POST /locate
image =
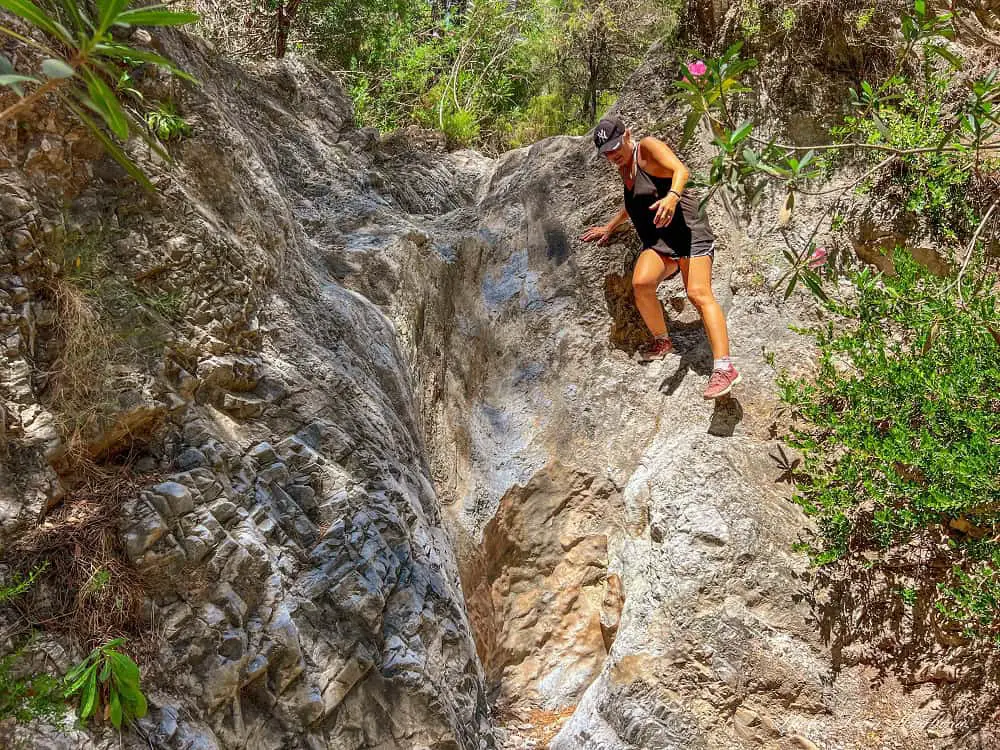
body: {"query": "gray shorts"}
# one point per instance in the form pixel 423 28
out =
pixel 696 250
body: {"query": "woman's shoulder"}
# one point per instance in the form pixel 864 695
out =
pixel 652 152
pixel 651 139
pixel 651 143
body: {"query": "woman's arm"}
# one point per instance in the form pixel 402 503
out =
pixel 603 233
pixel 620 218
pixel 665 161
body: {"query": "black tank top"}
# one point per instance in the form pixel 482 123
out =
pixel 687 229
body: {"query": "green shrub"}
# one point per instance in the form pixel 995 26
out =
pixel 24 698
pixel 898 428
pixel 496 74
pixel 934 184
pixel 461 126
pixel 19 584
pixel 110 678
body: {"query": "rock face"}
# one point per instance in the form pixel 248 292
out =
pixel 394 373
pixel 537 590
pixel 303 583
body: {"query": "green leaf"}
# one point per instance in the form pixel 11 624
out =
pixel 689 125
pixel 133 701
pixel 109 11
pixel 124 668
pixel 116 709
pixel 811 280
pixel 105 671
pixel 139 707
pixel 88 698
pixel 78 676
pixel 37 17
pixel 111 147
pixel 13 81
pixel 122 52
pixel 108 105
pixel 80 20
pixel 6 66
pixel 741 132
pixel 791 285
pixel 156 15
pixel 881 127
pixel 54 68
pixel 954 60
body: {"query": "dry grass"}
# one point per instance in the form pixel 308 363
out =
pixel 542 725
pixel 546 724
pixel 241 28
pixel 105 335
pixel 80 382
pixel 88 588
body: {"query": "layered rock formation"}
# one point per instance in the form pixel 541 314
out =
pixel 393 374
pixel 304 589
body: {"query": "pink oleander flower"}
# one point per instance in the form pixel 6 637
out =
pixel 818 258
pixel 697 68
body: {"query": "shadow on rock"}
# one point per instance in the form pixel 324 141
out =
pixel 883 614
pixel 628 331
pixel 695 355
pixel 727 414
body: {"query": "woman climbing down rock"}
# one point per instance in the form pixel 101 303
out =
pixel 675 237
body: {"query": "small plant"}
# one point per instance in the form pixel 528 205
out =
pixel 20 584
pixel 24 698
pixel 96 583
pixel 864 18
pixel 460 126
pixel 788 18
pixel 750 19
pixel 106 325
pixel 166 124
pixel 914 122
pixel 107 678
pixel 84 66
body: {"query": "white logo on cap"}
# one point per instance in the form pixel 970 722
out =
pixel 602 134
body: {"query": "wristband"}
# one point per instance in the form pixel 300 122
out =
pixel 675 193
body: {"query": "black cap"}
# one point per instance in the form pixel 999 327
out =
pixel 608 134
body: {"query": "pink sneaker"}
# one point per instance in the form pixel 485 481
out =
pixel 655 349
pixel 721 383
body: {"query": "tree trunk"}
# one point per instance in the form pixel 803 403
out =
pixel 590 96
pixel 286 14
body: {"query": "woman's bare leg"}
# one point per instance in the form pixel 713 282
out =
pixel 697 274
pixel 650 270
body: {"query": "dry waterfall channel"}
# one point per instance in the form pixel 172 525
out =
pixel 408 490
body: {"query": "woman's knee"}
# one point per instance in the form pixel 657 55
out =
pixel 700 296
pixel 643 284
pixel 649 269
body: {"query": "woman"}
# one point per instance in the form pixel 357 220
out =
pixel 675 237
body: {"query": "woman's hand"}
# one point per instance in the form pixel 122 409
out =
pixel 602 234
pixel 664 208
